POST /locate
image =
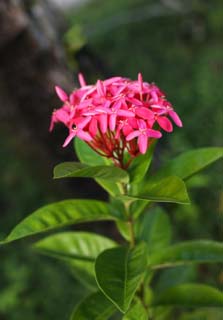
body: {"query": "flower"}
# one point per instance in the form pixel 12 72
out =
pixel 116 117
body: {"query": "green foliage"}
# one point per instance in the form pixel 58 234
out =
pixel 157 191
pixel 190 295
pixel 77 169
pixel 78 249
pixel 60 214
pixel 200 251
pixel 207 314
pixel 190 162
pixel 95 307
pixel 123 273
pixel 119 272
pixel 188 45
pixel 136 311
pixel 154 228
pixel 140 165
pixel 88 156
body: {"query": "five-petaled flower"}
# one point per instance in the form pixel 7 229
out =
pixel 116 116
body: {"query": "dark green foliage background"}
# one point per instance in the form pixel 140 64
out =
pixel 182 53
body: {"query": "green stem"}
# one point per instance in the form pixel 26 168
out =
pixel 128 216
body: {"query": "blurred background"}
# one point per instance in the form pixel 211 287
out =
pixel 178 44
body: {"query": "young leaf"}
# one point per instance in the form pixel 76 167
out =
pixel 198 251
pixel 154 228
pixel 77 169
pixel 190 162
pixel 60 214
pixel 190 295
pixel 89 157
pixel 140 165
pixel 136 312
pixel 78 249
pixel 118 273
pixel 95 307
pixel 170 189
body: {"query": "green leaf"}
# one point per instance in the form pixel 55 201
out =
pixel 95 307
pixel 137 207
pixel 190 295
pixel 140 165
pixel 171 277
pixel 206 314
pixel 118 273
pixel 170 189
pixel 89 157
pixel 123 228
pixel 190 162
pixel 60 214
pixel 78 249
pixel 154 228
pixel 136 312
pixel 77 169
pixel 198 251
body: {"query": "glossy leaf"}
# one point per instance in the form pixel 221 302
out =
pixel 190 295
pixel 136 312
pixel 140 165
pixel 77 169
pixel 78 249
pixel 95 307
pixel 170 189
pixel 154 228
pixel 60 214
pixel 190 162
pixel 118 273
pixel 198 251
pixel 89 157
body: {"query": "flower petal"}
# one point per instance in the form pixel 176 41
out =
pixel 112 121
pixel 83 123
pixel 93 127
pixel 84 135
pixel 165 124
pixel 71 135
pixel 61 94
pixel 100 88
pixel 154 133
pixel 103 122
pixel 140 81
pixel 81 80
pixel 144 113
pixel 142 142
pixel 175 118
pixel 133 135
pixel 125 113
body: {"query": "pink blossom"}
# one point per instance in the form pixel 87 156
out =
pixel 77 130
pixel 143 133
pixel 116 116
pixel 61 94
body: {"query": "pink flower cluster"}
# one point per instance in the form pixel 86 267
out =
pixel 115 116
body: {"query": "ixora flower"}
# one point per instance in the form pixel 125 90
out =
pixel 116 117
